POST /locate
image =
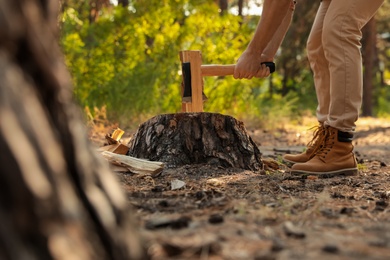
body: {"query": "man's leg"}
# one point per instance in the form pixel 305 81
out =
pixel 319 64
pixel 341 42
pixel 341 37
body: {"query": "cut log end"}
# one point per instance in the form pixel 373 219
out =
pixel 196 138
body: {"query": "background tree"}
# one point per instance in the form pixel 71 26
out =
pixel 123 3
pixel 127 59
pixel 223 5
pixel 57 199
pixel 381 93
pixel 293 57
pixel 370 64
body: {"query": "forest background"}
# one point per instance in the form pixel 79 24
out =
pixel 124 59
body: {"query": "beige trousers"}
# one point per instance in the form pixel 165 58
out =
pixel 334 54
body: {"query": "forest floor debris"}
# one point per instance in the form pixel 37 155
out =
pixel 237 214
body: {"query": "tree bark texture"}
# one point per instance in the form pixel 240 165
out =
pixel 58 200
pixel 194 138
pixel 369 57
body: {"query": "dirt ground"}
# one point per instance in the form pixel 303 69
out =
pixel 237 214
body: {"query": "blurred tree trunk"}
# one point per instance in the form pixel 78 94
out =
pixel 124 3
pixel 292 60
pixel 223 6
pixel 369 58
pixel 240 7
pixel 58 200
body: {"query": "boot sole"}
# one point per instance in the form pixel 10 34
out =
pixel 343 172
pixel 292 162
pixel 289 162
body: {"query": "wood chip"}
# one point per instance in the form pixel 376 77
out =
pixel 177 184
pixel 117 134
pixel 115 148
pixel 110 140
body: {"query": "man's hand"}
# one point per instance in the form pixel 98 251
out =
pixel 249 66
pixel 266 40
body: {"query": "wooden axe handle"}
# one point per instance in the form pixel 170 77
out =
pixel 217 70
pixel 225 70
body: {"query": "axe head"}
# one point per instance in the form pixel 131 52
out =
pixel 187 89
pixel 186 72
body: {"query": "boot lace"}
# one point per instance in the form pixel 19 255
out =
pixel 317 140
pixel 327 143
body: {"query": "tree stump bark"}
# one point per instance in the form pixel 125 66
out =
pixel 194 138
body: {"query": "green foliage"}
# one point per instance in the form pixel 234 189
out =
pixel 383 106
pixel 128 60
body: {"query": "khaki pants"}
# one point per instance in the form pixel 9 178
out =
pixel 334 55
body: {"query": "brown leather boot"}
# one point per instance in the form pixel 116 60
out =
pixel 311 148
pixel 335 157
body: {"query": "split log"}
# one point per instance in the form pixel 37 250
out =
pixel 194 138
pixel 135 165
pixel 58 198
pixel 119 162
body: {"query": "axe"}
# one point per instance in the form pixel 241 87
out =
pixel 193 72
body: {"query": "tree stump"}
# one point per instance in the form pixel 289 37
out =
pixel 194 138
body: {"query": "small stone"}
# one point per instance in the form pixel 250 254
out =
pixel 158 223
pixel 347 211
pixel 165 222
pixel 329 213
pixel 265 256
pixel 163 203
pixel 277 245
pixel 385 195
pixel 378 243
pixel 216 219
pixel 293 231
pixel 200 195
pixel 158 189
pixel 181 222
pixel 381 205
pixel 337 195
pixel 331 249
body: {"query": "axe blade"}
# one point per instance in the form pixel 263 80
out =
pixel 186 71
pixel 187 92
